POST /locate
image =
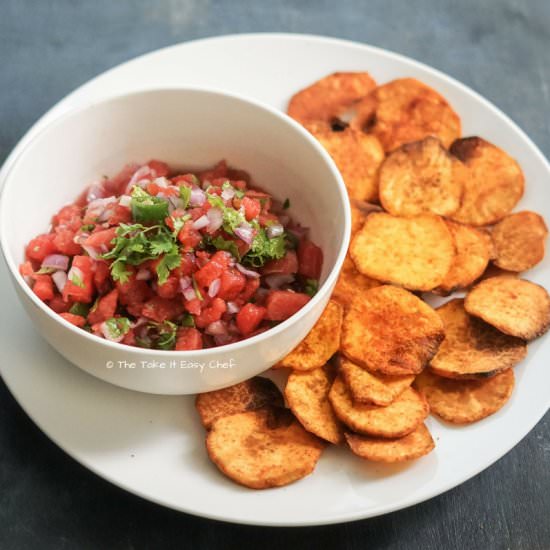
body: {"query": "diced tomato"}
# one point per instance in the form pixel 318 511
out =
pixel 129 338
pixel 133 292
pixel 26 269
pixel 101 238
pixel 58 304
pixel 310 260
pixel 281 304
pixel 161 168
pixel 82 290
pixel 267 218
pixel 187 265
pixel 121 214
pixel 161 309
pixel 250 288
pixel 101 276
pixel 249 317
pixel 219 171
pixel 232 283
pixel 193 306
pixel 189 237
pixel 40 247
pixel 69 217
pixel 213 269
pixel 43 287
pixel 188 338
pixel 104 309
pixel 153 188
pixel 211 313
pixel 64 242
pixel 76 320
pixel 117 184
pixel 188 180
pixel 252 208
pixel 288 264
pixel 169 288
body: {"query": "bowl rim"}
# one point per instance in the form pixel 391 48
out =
pixel 226 348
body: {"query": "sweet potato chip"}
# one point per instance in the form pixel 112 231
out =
pixel 249 395
pixel 325 99
pixel 465 401
pixel 357 156
pixel 307 397
pixel 400 418
pixel 418 178
pixel 415 253
pixel 519 241
pixel 406 110
pixel 359 212
pixel 391 331
pixel 474 249
pixel 351 285
pixel 493 182
pixel 418 443
pixel 472 348
pixel 321 343
pixel 259 449
pixel 374 388
pixel 514 306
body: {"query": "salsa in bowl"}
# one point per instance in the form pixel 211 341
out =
pixel 190 130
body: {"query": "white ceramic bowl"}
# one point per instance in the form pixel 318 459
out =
pixel 184 127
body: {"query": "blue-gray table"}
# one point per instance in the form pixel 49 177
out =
pixel 48 47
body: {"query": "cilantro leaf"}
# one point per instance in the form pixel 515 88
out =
pixel 231 218
pixel 147 208
pixel 264 249
pixel 185 196
pixel 169 261
pixel 117 326
pixel 219 243
pixel 311 287
pixel 286 204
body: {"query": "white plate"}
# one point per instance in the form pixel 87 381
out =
pixel 153 446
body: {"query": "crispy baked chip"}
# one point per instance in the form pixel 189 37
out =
pixel 418 178
pixel 249 395
pixel 519 241
pixel 307 397
pixel 351 285
pixel 357 156
pixel 406 110
pixel 391 331
pixel 259 449
pixel 400 418
pixel 465 401
pixel 493 182
pixel 472 348
pixel 494 271
pixel 416 253
pixel 374 388
pixel 474 249
pixel 514 306
pixel 325 99
pixel 418 443
pixel 321 343
pixel 359 212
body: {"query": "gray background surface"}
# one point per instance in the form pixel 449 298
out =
pixel 47 48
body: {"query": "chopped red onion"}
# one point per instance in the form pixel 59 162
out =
pixel 298 231
pixel 215 219
pixel 232 308
pixel 125 200
pixel 60 280
pixel 139 177
pixel 201 222
pixel 197 197
pixel 185 282
pixel 95 191
pixel 247 272
pixel 223 339
pixel 80 238
pixel 143 274
pixel 274 230
pixel 228 193
pixel 277 280
pixel 245 232
pixel 189 293
pixel 108 335
pixel 91 251
pixel 214 288
pixel 162 182
pixel 217 328
pixel 174 203
pixel 59 262
pixel 97 208
pixel 75 272
pixel 139 322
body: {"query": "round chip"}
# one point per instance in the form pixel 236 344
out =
pixel 391 331
pixel 400 418
pixel 406 110
pixel 418 178
pixel 263 448
pixel 249 395
pixel 415 253
pixel 374 388
pixel 325 99
pixel 307 397
pixel 519 241
pixel 514 306
pixel 493 182
pixel 472 348
pixel 357 156
pixel 474 249
pixel 321 343
pixel 351 285
pixel 418 443
pixel 465 401
pixel 359 212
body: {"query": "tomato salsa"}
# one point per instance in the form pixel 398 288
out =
pixel 174 261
